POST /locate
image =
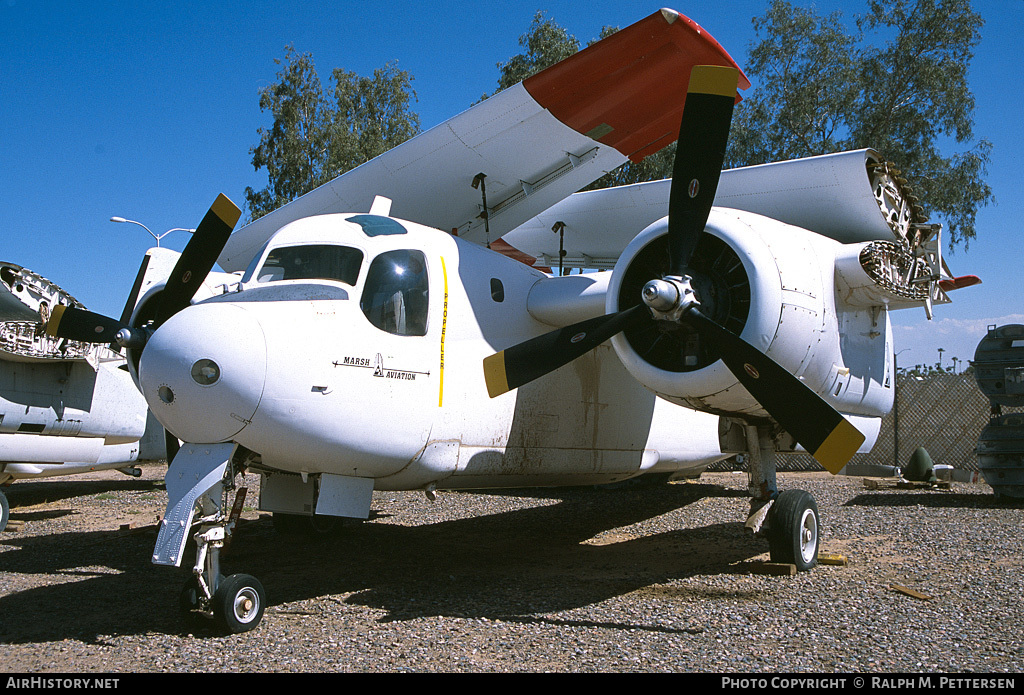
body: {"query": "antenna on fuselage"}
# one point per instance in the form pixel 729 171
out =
pixel 381 206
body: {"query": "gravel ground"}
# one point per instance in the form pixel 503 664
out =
pixel 569 580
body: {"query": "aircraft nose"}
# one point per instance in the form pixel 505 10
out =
pixel 202 372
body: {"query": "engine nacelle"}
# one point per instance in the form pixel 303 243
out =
pixel 773 285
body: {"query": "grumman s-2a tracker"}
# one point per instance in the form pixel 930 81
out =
pixel 395 329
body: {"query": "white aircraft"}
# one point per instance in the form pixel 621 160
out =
pixel 66 406
pixel 369 336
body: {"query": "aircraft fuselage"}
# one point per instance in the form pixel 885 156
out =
pixel 369 366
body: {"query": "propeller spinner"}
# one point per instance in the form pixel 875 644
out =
pixel 672 301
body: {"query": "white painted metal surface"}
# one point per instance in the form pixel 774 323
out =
pixel 831 195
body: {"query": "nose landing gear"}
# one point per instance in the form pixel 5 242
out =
pixel 198 480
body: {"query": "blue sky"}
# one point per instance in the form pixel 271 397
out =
pixel 148 110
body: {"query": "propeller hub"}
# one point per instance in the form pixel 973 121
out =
pixel 132 338
pixel 660 295
pixel 670 297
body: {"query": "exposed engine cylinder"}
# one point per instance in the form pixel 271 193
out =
pixel 767 285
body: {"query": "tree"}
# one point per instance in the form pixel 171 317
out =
pixel 808 84
pixel 316 137
pixel 899 86
pixel 370 116
pixel 545 44
pixel 293 150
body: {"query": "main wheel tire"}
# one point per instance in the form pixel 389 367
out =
pixel 5 511
pixel 238 603
pixel 794 531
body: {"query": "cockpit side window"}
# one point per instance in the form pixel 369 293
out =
pixel 395 296
pixel 312 262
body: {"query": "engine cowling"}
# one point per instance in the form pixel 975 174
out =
pixel 766 281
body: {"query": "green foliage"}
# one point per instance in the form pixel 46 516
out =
pixel 316 136
pixel 371 116
pixel 898 85
pixel 545 43
pixel 807 88
pixel 293 150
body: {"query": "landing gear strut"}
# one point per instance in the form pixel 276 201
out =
pixel 789 519
pixel 236 603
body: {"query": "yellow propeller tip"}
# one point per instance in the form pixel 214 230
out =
pixel 718 80
pixel 226 210
pixel 839 447
pixel 54 320
pixel 495 375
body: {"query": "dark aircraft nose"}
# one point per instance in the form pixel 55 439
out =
pixel 202 372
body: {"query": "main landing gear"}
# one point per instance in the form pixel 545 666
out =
pixel 789 519
pixel 199 480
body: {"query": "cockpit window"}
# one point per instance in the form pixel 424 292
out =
pixel 375 225
pixel 395 295
pixel 312 262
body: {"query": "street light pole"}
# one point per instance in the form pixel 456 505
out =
pixel 158 237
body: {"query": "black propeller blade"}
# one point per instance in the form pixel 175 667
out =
pixel 194 264
pixel 817 426
pixel 198 257
pixel 700 154
pixel 133 298
pixel 82 325
pixel 522 363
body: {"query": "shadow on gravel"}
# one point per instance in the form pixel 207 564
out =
pixel 936 498
pixel 28 493
pixel 540 559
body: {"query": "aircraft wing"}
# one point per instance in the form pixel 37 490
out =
pixel 536 143
pixel 835 195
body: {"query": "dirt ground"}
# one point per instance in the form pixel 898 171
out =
pixel 549 580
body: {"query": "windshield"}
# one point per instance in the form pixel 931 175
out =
pixel 312 262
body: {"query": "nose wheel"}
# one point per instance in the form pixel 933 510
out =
pixel 234 603
pixel 238 603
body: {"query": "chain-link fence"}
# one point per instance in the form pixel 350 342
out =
pixel 942 412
